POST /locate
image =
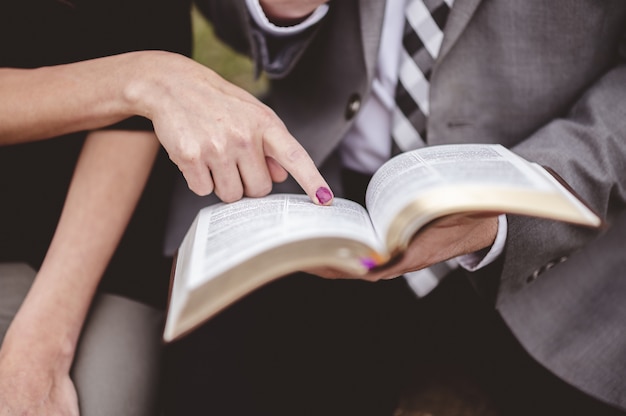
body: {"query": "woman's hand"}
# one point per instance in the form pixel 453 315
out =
pixel 33 382
pixel 50 394
pixel 221 137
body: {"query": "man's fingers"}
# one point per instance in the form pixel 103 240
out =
pixel 285 149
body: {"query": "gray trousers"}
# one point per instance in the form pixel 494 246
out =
pixel 116 368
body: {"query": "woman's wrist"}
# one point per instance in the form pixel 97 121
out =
pixel 36 344
pixel 146 80
pixel 138 80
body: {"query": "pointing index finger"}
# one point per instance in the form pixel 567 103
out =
pixel 290 154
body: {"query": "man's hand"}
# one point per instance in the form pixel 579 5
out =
pixel 446 238
pixel 289 11
pixel 222 138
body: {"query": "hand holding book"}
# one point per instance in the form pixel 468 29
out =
pixel 443 239
pixel 423 207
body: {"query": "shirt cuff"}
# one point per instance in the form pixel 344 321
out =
pixel 259 17
pixel 479 259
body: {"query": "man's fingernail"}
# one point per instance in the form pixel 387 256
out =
pixel 323 195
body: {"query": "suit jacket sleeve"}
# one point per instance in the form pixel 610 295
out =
pixel 587 148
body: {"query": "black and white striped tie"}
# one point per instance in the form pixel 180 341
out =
pixel 422 38
pixel 423 34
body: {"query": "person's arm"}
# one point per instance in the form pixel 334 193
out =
pixel 221 137
pixel 39 346
pixel 587 148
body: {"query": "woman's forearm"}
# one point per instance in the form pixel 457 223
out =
pixel 50 101
pixel 219 135
pixel 110 175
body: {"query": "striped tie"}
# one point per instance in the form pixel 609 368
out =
pixel 423 34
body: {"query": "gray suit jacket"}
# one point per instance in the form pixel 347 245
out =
pixel 545 78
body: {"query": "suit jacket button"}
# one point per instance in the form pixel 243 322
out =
pixel 353 107
pixel 533 276
pixel 544 268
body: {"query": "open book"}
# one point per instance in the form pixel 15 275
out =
pixel 232 249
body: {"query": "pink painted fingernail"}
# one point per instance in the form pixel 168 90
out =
pixel 323 195
pixel 368 262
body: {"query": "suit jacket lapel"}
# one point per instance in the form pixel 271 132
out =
pixel 371 15
pixel 460 15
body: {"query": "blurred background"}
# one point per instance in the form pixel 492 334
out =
pixel 211 52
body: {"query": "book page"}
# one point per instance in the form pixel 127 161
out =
pixel 404 177
pixel 229 233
